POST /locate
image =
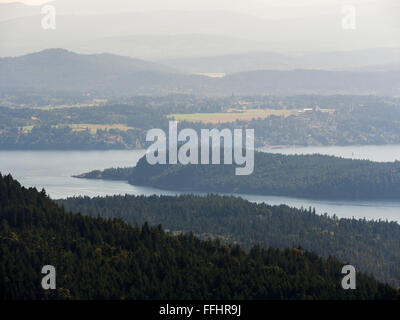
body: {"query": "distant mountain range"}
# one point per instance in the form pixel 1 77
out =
pixel 383 59
pixel 65 71
pixel 62 70
pixel 87 27
pixel 229 39
pixel 173 46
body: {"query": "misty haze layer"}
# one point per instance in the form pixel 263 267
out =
pixel 159 30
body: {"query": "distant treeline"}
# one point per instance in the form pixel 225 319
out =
pixel 329 120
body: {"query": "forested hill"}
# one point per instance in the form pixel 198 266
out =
pixel 371 246
pixel 309 176
pixel 59 70
pixel 109 259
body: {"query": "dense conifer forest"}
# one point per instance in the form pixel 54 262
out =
pixel 372 246
pixel 99 258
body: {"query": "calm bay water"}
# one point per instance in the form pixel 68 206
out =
pixel 52 170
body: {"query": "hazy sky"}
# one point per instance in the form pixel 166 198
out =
pixel 262 8
pixel 291 2
pixel 274 25
pixel 233 2
pixel 33 2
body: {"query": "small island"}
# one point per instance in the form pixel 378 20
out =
pixel 304 176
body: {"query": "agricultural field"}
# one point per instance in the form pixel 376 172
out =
pixel 233 115
pixel 93 128
pixel 95 103
pixel 212 74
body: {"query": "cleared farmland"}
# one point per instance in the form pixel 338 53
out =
pixel 233 115
pixel 93 128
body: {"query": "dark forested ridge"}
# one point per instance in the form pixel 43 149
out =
pixel 371 246
pixel 98 258
pixel 308 176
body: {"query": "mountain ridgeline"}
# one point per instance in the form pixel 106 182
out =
pixel 58 70
pixel 308 176
pixel 98 258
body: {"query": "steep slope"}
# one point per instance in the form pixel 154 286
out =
pixel 371 246
pixel 109 259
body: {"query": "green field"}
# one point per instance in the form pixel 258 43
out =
pixel 95 103
pixel 85 126
pixel 232 115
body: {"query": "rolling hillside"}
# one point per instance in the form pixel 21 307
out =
pixel 65 71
